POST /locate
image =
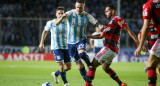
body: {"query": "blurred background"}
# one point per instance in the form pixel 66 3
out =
pixel 22 22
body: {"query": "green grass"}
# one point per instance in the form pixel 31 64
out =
pixel 32 73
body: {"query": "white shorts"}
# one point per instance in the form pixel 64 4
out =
pixel 155 50
pixel 105 55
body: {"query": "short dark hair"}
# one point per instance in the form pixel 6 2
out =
pixel 81 1
pixel 60 8
pixel 111 6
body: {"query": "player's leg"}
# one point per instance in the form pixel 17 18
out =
pixel 91 72
pixel 82 69
pixel 99 58
pixel 67 60
pixel 158 66
pixel 59 56
pixel 72 48
pixel 62 73
pixel 151 69
pixel 81 48
pixel 153 61
pixel 112 73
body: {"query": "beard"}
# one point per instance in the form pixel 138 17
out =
pixel 109 16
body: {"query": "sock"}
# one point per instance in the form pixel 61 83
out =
pixel 57 73
pixel 114 76
pixel 85 57
pixel 90 76
pixel 83 73
pixel 152 76
pixel 63 76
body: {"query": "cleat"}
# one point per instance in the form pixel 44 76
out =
pixel 66 84
pixel 123 84
pixel 56 78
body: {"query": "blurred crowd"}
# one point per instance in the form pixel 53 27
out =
pixel 26 32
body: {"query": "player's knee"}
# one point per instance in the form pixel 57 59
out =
pixel 85 57
pixel 106 69
pixel 68 68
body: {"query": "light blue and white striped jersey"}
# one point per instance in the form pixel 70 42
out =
pixel 58 34
pixel 98 42
pixel 77 25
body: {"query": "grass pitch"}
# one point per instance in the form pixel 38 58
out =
pixel 34 73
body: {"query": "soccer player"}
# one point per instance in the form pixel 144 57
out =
pixel 111 46
pixel 151 39
pixel 77 20
pixel 58 45
pixel 96 44
pixel 151 11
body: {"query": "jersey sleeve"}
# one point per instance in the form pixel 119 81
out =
pixel 68 13
pixel 91 19
pixel 48 26
pixel 146 12
pixel 105 30
pixel 93 34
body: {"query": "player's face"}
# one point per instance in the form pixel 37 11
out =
pixel 79 8
pixel 108 12
pixel 59 13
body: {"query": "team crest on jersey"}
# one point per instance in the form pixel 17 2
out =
pixel 122 22
pixel 58 57
pixel 81 46
pixel 155 29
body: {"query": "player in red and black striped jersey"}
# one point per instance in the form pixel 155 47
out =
pixel 151 11
pixel 151 39
pixel 111 46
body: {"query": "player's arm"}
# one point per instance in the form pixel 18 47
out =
pixel 139 39
pixel 98 36
pixel 95 22
pixel 44 34
pixel 131 34
pixel 145 30
pixel 91 43
pixel 59 20
pixel 41 45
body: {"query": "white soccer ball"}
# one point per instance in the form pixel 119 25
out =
pixel 47 84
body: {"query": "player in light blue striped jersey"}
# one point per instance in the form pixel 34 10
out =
pixel 96 44
pixel 58 45
pixel 77 20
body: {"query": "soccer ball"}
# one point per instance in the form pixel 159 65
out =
pixel 47 84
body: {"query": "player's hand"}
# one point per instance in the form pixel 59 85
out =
pixel 137 51
pixel 102 26
pixel 41 47
pixel 64 16
pixel 92 47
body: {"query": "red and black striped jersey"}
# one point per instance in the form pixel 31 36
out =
pixel 152 36
pixel 151 10
pixel 112 33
